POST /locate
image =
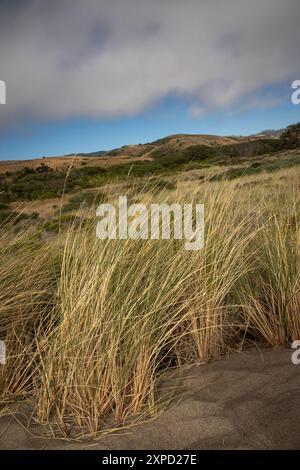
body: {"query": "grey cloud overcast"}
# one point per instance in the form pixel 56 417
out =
pixel 93 58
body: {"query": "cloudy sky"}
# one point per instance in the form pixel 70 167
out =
pixel 84 75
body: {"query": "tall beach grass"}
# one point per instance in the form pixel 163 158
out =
pixel 92 327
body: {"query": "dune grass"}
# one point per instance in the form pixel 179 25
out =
pixel 92 327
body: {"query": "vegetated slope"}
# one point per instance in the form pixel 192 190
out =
pixel 64 162
pixel 126 153
pixel 45 181
pixel 176 143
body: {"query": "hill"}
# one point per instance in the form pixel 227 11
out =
pixel 48 178
pixel 176 143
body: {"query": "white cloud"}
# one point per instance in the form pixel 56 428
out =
pixel 95 58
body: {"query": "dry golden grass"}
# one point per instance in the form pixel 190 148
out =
pixel 46 209
pixel 63 163
pixel 93 326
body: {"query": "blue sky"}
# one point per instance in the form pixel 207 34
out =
pixel 88 76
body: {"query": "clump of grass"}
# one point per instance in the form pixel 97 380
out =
pixel 93 326
pixel 270 293
pixel 129 309
pixel 27 288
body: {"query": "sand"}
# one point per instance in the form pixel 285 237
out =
pixel 249 400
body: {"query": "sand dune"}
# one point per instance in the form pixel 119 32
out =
pixel 246 401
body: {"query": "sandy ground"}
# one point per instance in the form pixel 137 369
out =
pixel 247 401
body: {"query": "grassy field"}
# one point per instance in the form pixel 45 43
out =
pixel 93 328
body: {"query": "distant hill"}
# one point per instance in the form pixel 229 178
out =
pixel 127 153
pixel 99 153
pixel 270 133
pixel 174 142
pixel 47 178
pixel 180 147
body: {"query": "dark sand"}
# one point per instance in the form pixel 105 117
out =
pixel 247 401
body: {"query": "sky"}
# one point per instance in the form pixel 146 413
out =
pixel 91 75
